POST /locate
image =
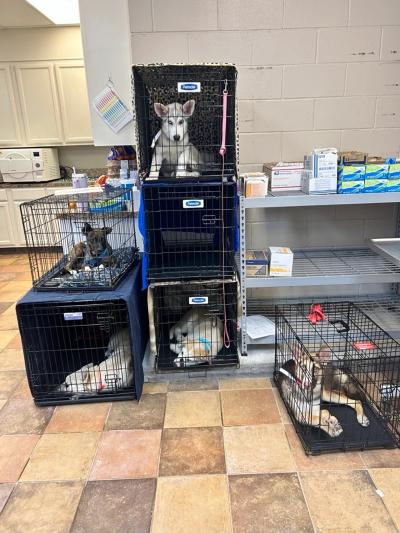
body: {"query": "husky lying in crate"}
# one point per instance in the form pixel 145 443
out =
pixel 116 372
pixel 306 382
pixel 198 338
pixel 173 153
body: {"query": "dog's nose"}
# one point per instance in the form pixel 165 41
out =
pixel 177 137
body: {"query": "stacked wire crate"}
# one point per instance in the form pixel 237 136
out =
pixel 187 155
pixel 82 327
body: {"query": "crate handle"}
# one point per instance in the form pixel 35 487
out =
pixel 345 325
pixel 209 220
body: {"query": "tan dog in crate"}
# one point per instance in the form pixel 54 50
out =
pixel 307 381
pixel 173 152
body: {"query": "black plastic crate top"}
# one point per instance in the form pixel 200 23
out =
pixel 339 377
pixel 168 84
pixel 196 325
pixel 80 242
pixel 190 230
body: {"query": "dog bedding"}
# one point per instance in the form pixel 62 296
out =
pixel 96 276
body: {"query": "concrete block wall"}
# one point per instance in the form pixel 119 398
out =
pixel 312 73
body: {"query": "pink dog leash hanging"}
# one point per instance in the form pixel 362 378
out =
pixel 222 149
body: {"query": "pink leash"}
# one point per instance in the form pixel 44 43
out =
pixel 222 150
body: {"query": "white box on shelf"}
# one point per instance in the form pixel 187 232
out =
pixel 322 163
pixel 255 185
pixel 284 176
pixel 280 261
pixel 310 185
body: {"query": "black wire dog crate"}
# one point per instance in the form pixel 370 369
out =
pixel 190 230
pixel 84 350
pixel 80 241
pixel 180 120
pixel 194 325
pixel 339 378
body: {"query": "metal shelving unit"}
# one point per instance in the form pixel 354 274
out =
pixel 322 267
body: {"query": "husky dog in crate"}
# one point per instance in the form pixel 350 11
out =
pixel 196 338
pixel 116 372
pixel 94 252
pixel 307 381
pixel 174 155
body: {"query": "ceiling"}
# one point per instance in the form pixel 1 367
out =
pixel 20 14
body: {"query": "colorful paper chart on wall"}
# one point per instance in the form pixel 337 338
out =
pixel 112 109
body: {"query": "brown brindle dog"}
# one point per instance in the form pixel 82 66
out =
pixel 94 252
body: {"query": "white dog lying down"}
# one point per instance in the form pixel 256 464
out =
pixel 198 337
pixel 115 372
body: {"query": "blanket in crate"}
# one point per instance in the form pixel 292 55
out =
pixel 95 276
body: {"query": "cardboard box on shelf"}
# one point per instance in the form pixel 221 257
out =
pixel 350 187
pixel 310 185
pixel 352 158
pixel 255 185
pixel 256 263
pixel 280 261
pixel 284 176
pixel 351 172
pixel 322 162
pixel 375 185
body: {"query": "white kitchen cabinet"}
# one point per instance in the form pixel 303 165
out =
pixel 16 197
pixel 74 103
pixel 10 127
pixel 39 103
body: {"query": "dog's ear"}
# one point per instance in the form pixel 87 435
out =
pixel 161 110
pixel 324 355
pixel 86 228
pixel 188 108
pixel 106 230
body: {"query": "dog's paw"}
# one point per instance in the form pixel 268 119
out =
pixel 334 428
pixel 183 173
pixel 363 420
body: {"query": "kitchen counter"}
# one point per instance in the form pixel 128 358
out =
pixel 91 172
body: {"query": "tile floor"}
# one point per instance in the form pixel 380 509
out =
pixel 196 456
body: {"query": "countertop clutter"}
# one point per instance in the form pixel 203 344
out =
pixel 326 171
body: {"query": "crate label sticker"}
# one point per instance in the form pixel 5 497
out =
pixel 189 87
pixel 193 203
pixel 197 300
pixel 73 316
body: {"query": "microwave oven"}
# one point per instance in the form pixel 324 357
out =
pixel 20 165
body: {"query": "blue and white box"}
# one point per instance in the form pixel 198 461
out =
pixel 322 162
pixel 350 187
pixel 375 185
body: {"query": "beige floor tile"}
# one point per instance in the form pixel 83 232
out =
pixel 62 457
pixel 244 383
pixel 193 503
pixel 9 381
pixel 19 285
pixel 14 268
pixel 6 337
pixel 388 481
pixel 22 392
pixel 381 458
pixel 148 413
pixel 192 409
pixel 192 451
pixel 257 449
pixel 247 407
pixel 2 403
pixel 193 384
pixel 41 508
pixel 15 343
pixel 80 418
pixel 15 451
pixel 328 461
pixel 281 407
pixel 22 416
pixel 269 503
pixel 127 454
pixel 353 504
pixel 5 492
pixel 10 311
pixel 12 359
pixel 11 296
pixel 154 388
pixel 8 322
